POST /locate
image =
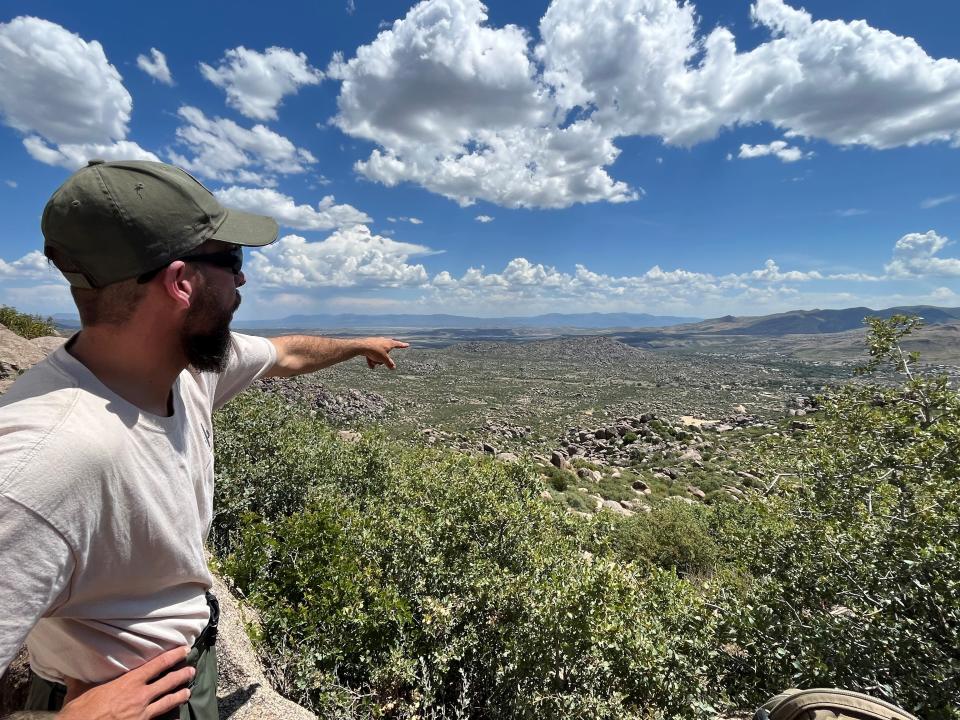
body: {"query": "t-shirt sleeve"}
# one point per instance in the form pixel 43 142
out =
pixel 36 565
pixel 249 358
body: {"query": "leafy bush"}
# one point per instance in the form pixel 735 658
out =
pixel 560 480
pixel 674 535
pixel 413 581
pixel 28 326
pixel 856 559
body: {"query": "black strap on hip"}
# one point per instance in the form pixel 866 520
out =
pixel 208 637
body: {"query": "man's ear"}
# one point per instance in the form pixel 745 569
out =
pixel 179 283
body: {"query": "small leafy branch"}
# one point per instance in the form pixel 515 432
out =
pixel 883 343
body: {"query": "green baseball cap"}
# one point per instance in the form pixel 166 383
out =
pixel 112 221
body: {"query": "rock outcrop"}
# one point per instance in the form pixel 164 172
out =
pixel 348 407
pixel 17 354
pixel 243 690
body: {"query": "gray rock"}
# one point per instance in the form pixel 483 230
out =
pixel 16 353
pixel 641 487
pixel 616 507
pixel 243 690
pixel 47 344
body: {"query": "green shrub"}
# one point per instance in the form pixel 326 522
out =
pixel 559 480
pixel 577 501
pixel 28 326
pixel 674 535
pixel 857 553
pixel 423 581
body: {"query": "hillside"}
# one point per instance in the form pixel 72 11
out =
pixel 434 578
pixel 807 322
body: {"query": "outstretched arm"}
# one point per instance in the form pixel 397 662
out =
pixel 299 354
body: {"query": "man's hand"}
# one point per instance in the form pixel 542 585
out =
pixel 147 692
pixel 377 351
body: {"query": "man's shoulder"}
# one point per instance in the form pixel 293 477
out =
pixel 250 357
pixel 38 399
pixel 47 419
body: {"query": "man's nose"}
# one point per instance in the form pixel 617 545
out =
pixel 240 279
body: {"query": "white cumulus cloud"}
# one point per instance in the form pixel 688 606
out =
pixel 58 85
pixel 155 66
pixel 944 295
pixel 646 69
pixel 458 107
pixel 350 257
pixel 356 258
pixel 779 149
pixel 537 287
pixel 223 150
pixel 472 111
pixel 256 82
pixel 74 156
pixel 484 218
pixel 32 266
pixel 916 255
pixel 325 216
pixel 64 95
pixel 771 273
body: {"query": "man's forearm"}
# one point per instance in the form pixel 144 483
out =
pixel 298 354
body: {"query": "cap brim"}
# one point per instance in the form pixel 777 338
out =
pixel 243 228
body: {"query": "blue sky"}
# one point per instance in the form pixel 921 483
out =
pixel 516 158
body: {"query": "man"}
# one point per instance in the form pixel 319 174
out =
pixel 106 455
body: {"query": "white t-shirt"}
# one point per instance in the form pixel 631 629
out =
pixel 104 510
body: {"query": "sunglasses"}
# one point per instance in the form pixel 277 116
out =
pixel 231 260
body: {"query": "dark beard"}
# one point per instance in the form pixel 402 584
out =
pixel 206 336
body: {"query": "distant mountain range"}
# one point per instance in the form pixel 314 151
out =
pixel 551 320
pixel 810 322
pixel 795 322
